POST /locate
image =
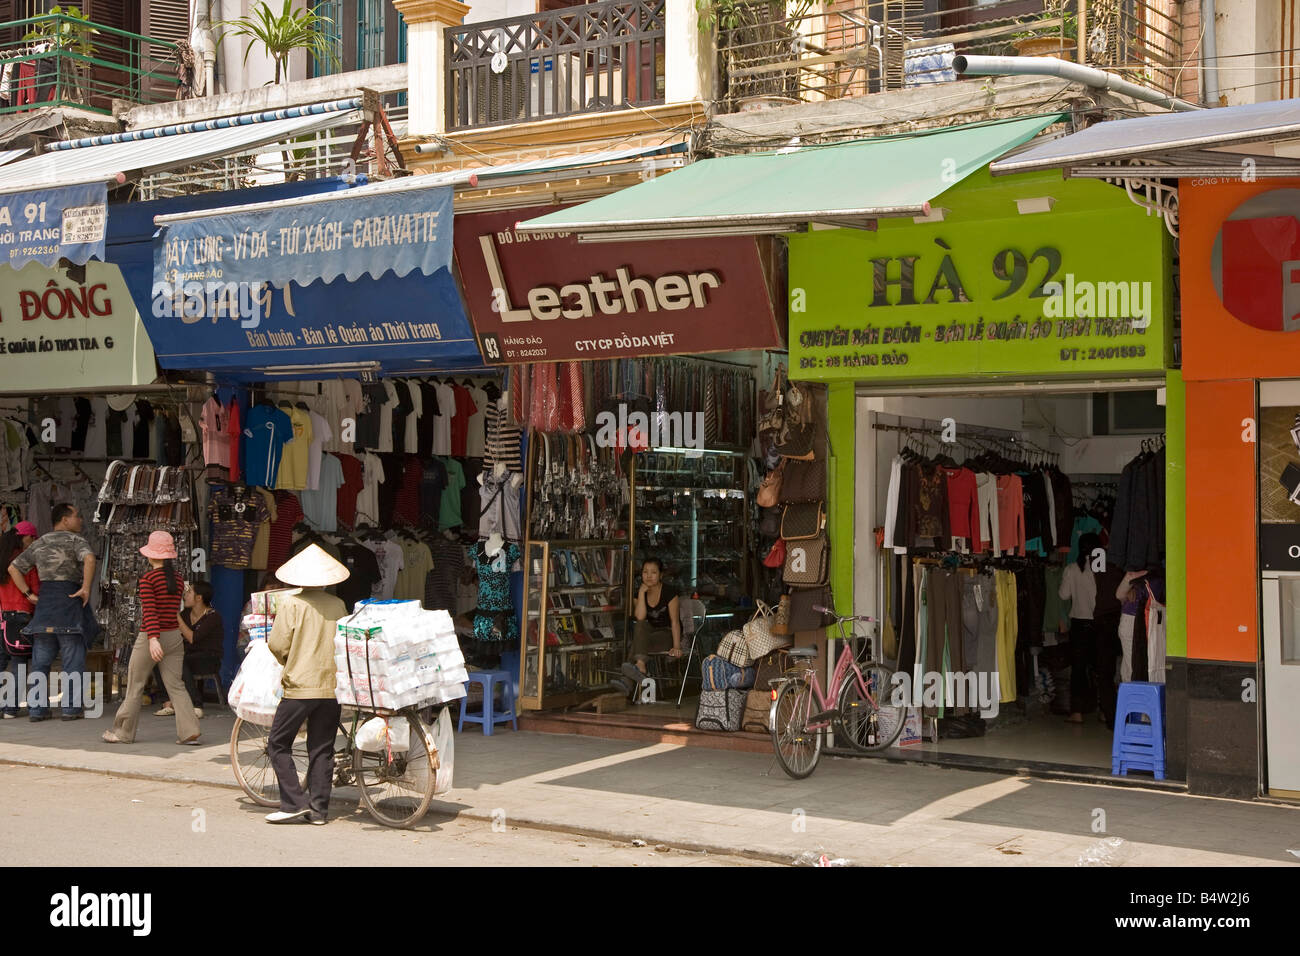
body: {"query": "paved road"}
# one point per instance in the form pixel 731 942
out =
pixel 90 819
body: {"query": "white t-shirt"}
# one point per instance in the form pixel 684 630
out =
pixel 1080 589
pixel 320 434
pixel 475 441
pixel 97 433
pixel 413 419
pixel 372 474
pixel 442 424
pixel 386 418
pixel 389 556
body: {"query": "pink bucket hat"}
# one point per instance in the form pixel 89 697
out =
pixel 160 546
pixel 26 529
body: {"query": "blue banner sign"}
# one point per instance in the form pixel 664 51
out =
pixel 46 225
pixel 367 235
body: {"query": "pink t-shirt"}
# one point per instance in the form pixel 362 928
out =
pixel 215 423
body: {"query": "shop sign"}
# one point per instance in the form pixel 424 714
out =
pixel 57 332
pixel 46 225
pixel 368 235
pixel 547 298
pixel 1079 294
pixel 1279 488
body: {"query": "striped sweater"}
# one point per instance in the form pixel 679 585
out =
pixel 159 609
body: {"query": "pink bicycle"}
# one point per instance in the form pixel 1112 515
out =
pixel 856 706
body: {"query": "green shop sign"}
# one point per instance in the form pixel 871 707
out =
pixel 1060 293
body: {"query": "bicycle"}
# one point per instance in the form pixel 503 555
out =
pixel 396 786
pixel 859 690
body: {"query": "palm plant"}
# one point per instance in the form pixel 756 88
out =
pixel 282 33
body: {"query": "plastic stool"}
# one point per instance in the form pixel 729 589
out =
pixel 216 683
pixel 1139 744
pixel 489 718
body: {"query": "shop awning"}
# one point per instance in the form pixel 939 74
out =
pixel 99 159
pixel 840 184
pixel 1204 143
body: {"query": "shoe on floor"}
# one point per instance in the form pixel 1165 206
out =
pixel 9 716
pixel 37 718
pixel 167 711
pixel 73 716
pixel 317 821
pixel 281 817
pixel 198 712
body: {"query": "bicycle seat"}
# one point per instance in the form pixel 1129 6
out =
pixel 801 652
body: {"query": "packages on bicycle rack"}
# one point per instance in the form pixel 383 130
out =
pixel 392 654
pixel 259 613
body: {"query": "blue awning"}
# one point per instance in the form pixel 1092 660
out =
pixel 46 225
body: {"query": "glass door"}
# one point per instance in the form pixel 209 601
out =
pixel 1282 682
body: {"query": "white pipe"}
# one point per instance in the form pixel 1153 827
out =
pixel 1051 66
pixel 1209 54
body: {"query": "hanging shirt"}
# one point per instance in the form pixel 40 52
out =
pixel 235 425
pixel 411 444
pixel 449 507
pixel 288 513
pixel 494 577
pixel 406 509
pixel 262 543
pixel 931 509
pixel 364 573
pixel 267 430
pixel 475 430
pixel 320 507
pixel 349 490
pixel 214 422
pixel 371 478
pixel 142 428
pixel 389 556
pixel 442 424
pixel 343 402
pixel 236 518
pixel 386 410
pixel 428 414
pixel 502 437
pixel 499 508
pixel 1011 514
pixel 986 485
pixel 465 407
pixel 963 508
pixel 374 396
pixel 297 452
pixel 320 437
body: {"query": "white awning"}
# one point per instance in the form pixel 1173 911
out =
pixel 103 163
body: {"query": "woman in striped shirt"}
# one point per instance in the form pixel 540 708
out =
pixel 160 643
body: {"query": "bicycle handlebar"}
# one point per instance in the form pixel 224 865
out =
pixel 821 609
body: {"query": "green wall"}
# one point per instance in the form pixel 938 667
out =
pixel 841 408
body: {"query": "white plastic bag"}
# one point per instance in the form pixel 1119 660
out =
pixel 258 683
pixel 379 734
pixel 445 741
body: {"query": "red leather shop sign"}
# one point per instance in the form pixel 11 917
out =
pixel 550 298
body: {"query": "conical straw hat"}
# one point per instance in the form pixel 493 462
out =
pixel 312 568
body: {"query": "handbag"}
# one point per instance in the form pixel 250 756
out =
pixel 798 443
pixel 776 555
pixel 720 709
pixel 733 648
pixel 769 492
pixel 802 602
pixel 802 520
pixel 769 525
pixel 807 562
pixel 759 636
pixel 17 644
pixel 803 481
pixel 800 407
pixel 720 674
pixel 758 711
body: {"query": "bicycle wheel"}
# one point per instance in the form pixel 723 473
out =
pixel 867 726
pixel 397 786
pixel 797 748
pixel 251 762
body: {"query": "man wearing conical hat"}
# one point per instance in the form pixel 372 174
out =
pixel 302 639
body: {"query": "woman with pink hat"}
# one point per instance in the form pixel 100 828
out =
pixel 16 605
pixel 160 643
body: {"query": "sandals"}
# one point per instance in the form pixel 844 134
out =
pixel 190 742
pixel 111 738
pixel 168 711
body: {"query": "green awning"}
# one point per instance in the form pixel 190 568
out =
pixel 841 183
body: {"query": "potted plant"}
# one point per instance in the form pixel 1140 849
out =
pixel 1055 41
pixel 68 30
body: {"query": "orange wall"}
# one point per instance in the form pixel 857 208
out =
pixel 1215 345
pixel 1222 573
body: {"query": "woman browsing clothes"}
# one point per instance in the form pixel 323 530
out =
pixel 16 605
pixel 1079 587
pixel 658 626
pixel 160 642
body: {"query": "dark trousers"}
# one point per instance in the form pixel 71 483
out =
pixel 199 662
pixel 1083 654
pixel 322 717
pixel 71 651
pixel 1108 655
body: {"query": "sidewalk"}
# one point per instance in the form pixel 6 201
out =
pixel 869 812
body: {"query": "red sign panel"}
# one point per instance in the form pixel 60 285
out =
pixel 549 298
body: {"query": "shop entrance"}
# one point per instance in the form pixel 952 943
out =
pixel 980 504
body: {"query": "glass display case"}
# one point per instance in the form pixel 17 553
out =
pixel 575 628
pixel 691 511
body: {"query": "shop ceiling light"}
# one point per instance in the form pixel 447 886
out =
pixel 1035 204
pixel 329 368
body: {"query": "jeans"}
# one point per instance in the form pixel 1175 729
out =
pixel 322 716
pixel 5 662
pixel 71 649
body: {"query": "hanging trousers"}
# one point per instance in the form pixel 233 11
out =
pixel 944 623
pixel 322 716
pixel 1008 624
pixel 979 618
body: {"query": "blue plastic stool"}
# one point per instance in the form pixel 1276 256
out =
pixel 1139 744
pixel 490 717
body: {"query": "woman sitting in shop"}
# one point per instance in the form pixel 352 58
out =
pixel 160 643
pixel 658 626
pixel 203 630
pixel 15 608
pixel 1079 587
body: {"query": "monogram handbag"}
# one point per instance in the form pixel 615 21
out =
pixel 807 562
pixel 798 443
pixel 802 602
pixel 733 648
pixel 769 492
pixel 802 481
pixel 759 634
pixel 802 520
pixel 758 711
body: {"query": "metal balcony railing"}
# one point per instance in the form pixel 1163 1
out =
pixel 589 58
pixel 57 60
pixel 808 51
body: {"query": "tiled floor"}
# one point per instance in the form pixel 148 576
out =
pixel 1045 739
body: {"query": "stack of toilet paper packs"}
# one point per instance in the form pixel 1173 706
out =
pixel 393 654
